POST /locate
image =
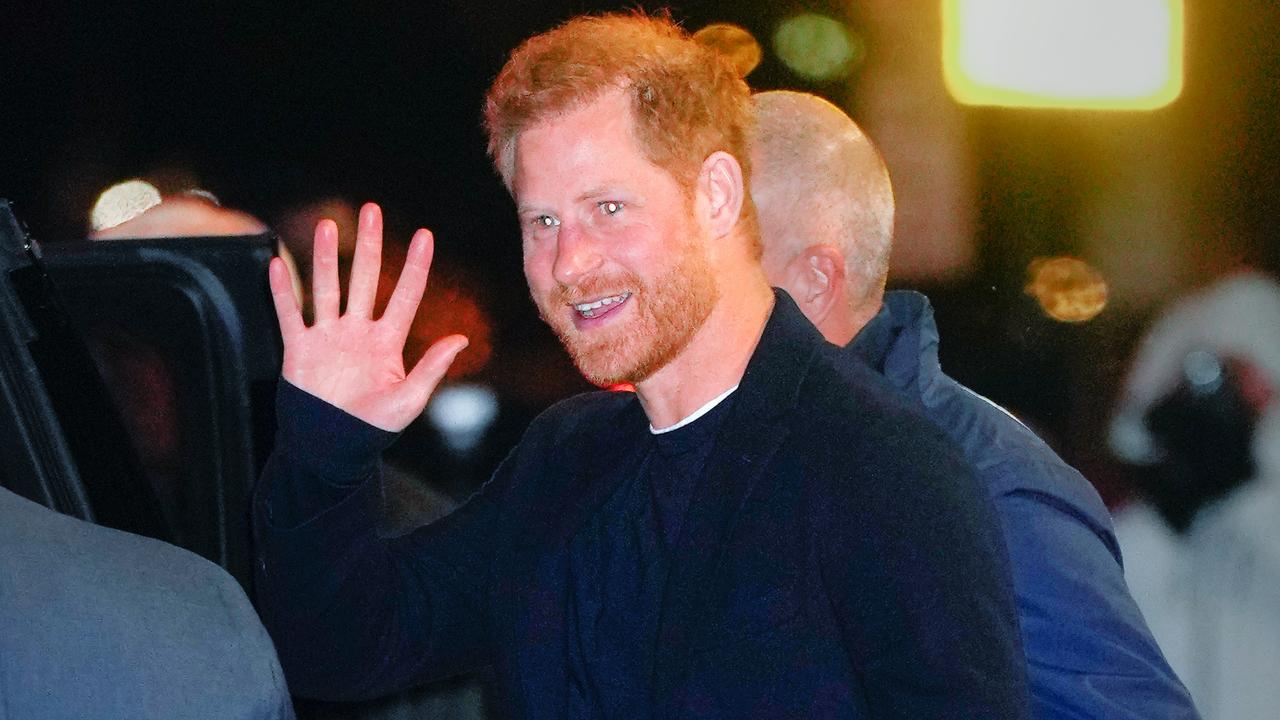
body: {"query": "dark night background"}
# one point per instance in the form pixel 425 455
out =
pixel 272 105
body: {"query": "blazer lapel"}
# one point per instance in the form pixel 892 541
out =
pixel 746 443
pixel 595 468
pixel 605 457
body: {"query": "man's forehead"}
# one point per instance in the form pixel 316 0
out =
pixel 587 140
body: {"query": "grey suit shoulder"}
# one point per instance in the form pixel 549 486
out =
pixel 100 623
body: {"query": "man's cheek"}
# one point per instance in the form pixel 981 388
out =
pixel 533 273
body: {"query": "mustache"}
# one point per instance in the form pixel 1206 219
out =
pixel 594 288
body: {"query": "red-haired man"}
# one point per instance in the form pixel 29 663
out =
pixel 721 543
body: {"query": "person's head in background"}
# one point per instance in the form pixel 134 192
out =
pixel 1199 416
pixel 135 210
pixel 186 215
pixel 825 209
pixel 139 377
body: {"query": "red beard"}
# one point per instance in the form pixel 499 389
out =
pixel 667 313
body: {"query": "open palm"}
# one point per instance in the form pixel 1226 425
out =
pixel 349 359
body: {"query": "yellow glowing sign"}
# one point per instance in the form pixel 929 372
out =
pixel 1089 54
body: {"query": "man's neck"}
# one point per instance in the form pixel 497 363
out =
pixel 715 358
pixel 840 328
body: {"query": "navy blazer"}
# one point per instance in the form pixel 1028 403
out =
pixel 826 568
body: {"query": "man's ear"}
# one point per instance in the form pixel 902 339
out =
pixel 816 281
pixel 720 183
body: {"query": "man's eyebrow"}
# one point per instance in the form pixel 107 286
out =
pixel 598 191
pixel 610 188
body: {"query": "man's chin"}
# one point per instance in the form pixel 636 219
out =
pixel 604 368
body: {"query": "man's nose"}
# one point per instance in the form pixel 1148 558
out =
pixel 576 255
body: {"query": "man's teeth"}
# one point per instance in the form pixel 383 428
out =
pixel 588 310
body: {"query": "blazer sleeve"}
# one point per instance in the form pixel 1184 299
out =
pixel 916 572
pixel 353 614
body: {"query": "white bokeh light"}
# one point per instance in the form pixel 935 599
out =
pixel 462 413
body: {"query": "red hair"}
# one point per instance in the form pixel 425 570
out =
pixel 687 101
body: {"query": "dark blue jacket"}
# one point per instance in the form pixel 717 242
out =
pixel 826 568
pixel 1089 652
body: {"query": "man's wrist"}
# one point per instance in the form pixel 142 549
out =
pixel 324 440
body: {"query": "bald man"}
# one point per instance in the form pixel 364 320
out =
pixel 825 206
pixel 183 216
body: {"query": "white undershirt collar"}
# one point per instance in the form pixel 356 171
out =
pixel 696 413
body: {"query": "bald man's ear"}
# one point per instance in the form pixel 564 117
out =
pixel 815 279
pixel 720 183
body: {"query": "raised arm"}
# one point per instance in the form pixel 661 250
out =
pixel 354 614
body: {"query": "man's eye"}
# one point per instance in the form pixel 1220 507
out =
pixel 609 207
pixel 546 221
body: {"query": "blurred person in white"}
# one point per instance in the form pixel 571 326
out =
pixel 1200 421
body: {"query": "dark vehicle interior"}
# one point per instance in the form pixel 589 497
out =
pixel 138 381
pixel 137 386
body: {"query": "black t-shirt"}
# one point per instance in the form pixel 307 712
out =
pixel 618 570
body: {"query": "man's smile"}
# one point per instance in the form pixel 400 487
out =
pixel 601 306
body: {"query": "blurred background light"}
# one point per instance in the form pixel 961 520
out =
pixel 1204 371
pixel 1068 290
pixel 122 202
pixel 817 47
pixel 735 43
pixel 1094 54
pixel 462 413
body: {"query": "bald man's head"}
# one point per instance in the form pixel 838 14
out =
pixel 183 216
pixel 819 183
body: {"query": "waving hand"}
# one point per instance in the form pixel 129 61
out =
pixel 349 359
